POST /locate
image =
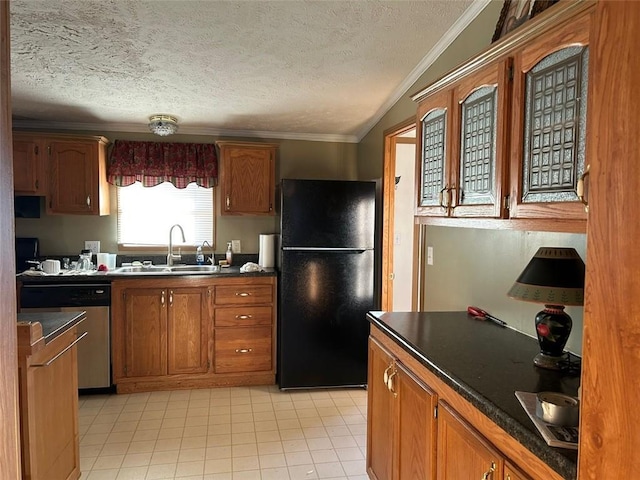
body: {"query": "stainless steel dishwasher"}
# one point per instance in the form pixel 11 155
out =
pixel 94 352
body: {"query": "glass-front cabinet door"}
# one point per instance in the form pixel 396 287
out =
pixel 433 175
pixel 481 107
pixel 549 124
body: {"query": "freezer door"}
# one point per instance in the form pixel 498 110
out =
pixel 327 214
pixel 323 331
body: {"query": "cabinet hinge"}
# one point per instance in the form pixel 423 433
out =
pixel 511 72
pixel 125 369
pixel 49 150
pixel 37 184
pixel 36 149
pixel 208 364
pixel 435 412
pixel 506 202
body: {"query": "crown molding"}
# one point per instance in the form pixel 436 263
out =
pixel 216 132
pixel 438 49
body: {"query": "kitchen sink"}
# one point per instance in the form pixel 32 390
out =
pixel 165 270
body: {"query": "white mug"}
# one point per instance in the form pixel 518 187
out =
pixel 51 266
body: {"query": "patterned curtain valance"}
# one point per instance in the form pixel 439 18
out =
pixel 153 163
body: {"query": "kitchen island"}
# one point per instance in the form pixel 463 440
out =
pixel 469 370
pixel 48 381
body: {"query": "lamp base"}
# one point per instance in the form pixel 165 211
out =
pixel 548 361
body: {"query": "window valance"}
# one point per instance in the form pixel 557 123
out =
pixel 152 163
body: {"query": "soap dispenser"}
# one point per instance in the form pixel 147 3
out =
pixel 229 255
pixel 199 256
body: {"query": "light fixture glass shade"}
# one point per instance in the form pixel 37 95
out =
pixel 555 278
pixel 163 125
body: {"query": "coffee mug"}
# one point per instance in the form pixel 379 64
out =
pixel 51 266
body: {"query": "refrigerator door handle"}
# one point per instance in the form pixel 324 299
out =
pixel 317 249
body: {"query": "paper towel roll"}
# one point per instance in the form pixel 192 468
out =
pixel 266 257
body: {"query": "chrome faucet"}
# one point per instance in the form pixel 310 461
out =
pixel 172 256
pixel 210 259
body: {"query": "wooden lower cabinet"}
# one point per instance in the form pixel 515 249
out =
pixel 192 332
pixel 401 423
pixel 462 452
pixel 48 383
pixel 420 428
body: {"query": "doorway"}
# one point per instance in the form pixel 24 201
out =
pixel 398 286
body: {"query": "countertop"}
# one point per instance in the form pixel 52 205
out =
pixel 53 323
pixel 106 278
pixel 485 364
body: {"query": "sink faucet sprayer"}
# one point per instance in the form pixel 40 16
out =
pixel 171 256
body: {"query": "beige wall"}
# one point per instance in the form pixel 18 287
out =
pixel 471 267
pixel 65 234
pixel 478 267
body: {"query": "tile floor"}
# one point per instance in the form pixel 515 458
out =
pixel 224 434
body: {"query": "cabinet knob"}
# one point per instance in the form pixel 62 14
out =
pixel 88 200
pixel 582 189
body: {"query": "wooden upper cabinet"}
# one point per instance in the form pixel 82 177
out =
pixel 77 182
pixel 462 452
pixel 29 174
pixel 479 150
pixel 549 123
pixel 462 146
pixel 247 178
pixel 434 153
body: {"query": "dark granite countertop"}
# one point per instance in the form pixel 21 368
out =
pixel 106 278
pixel 485 364
pixel 53 323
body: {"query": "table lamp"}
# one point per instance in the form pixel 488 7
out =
pixel 555 278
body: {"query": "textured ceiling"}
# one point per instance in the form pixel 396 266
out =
pixel 288 69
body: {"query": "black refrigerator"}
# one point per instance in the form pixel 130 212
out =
pixel 326 282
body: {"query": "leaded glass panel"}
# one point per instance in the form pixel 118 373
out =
pixel 434 136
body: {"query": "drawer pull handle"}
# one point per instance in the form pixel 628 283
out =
pixel 243 294
pixel 243 350
pixel 62 352
pixel 243 317
pixel 385 375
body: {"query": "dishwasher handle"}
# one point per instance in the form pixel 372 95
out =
pixel 61 353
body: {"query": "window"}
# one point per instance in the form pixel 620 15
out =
pixel 145 214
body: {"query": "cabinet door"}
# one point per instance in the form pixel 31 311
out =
pixel 188 329
pixel 415 445
pixel 71 165
pixel 27 167
pixel 248 179
pixel 462 452
pixel 512 473
pixel 145 335
pixel 549 124
pixel 433 149
pixel 479 151
pixel 49 406
pixel 379 414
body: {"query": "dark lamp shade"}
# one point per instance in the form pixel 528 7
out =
pixel 554 276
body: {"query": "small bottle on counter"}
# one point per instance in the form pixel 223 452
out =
pixel 229 254
pixel 199 256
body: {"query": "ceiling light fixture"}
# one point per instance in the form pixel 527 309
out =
pixel 163 125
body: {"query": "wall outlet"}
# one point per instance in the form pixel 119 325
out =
pixel 429 255
pixel 235 246
pixel 93 245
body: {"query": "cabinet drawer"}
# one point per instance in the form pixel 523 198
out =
pixel 243 316
pixel 243 349
pixel 243 294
